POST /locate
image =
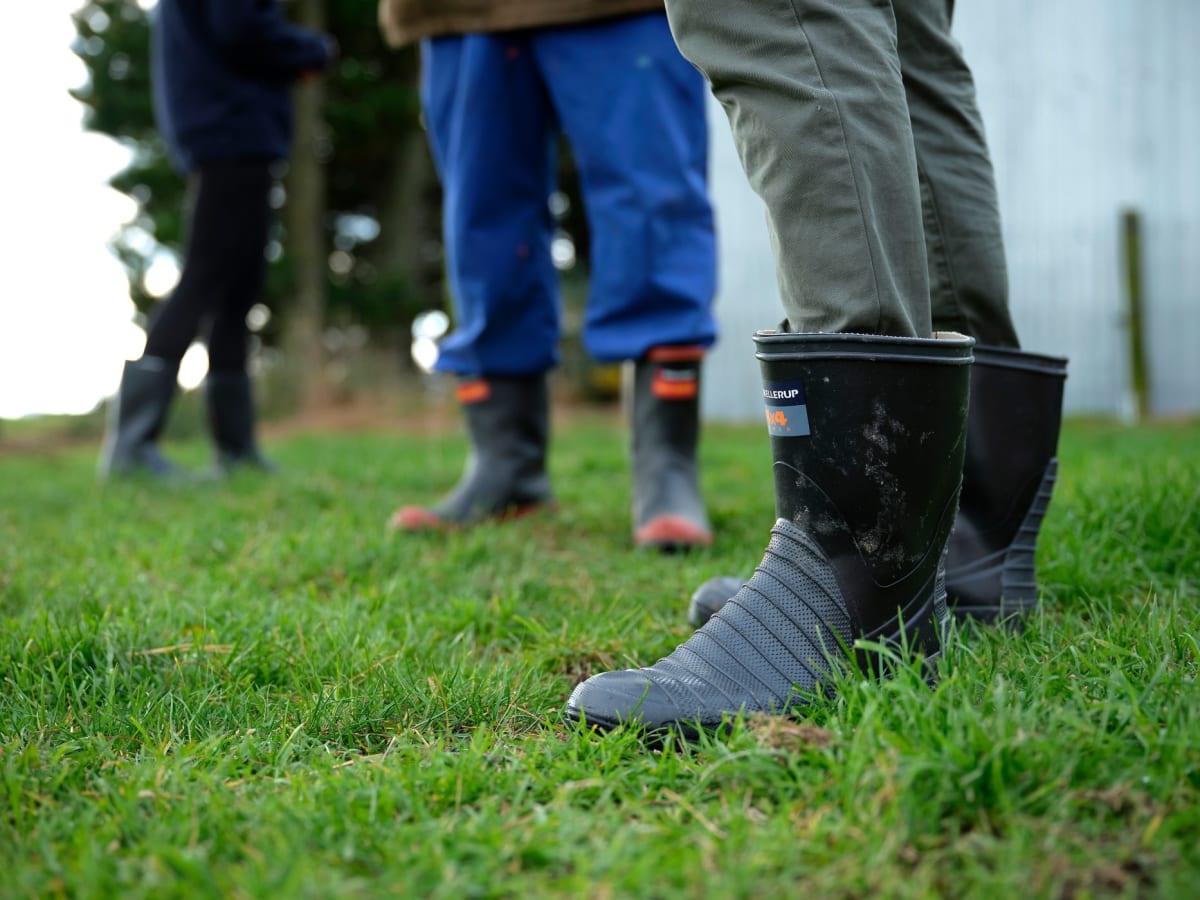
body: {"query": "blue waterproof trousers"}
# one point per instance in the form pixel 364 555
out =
pixel 632 110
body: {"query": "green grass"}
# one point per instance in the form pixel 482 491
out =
pixel 251 688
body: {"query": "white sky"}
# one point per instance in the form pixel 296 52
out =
pixel 66 321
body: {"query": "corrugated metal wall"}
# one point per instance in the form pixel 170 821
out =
pixel 1091 108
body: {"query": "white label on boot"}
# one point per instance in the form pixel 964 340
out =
pixel 787 411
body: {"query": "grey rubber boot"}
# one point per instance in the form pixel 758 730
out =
pixel 708 599
pixel 668 512
pixel 868 435
pixel 508 423
pixel 1008 478
pixel 136 417
pixel 229 401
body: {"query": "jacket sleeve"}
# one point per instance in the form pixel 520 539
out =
pixel 257 40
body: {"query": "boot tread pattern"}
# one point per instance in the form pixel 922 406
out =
pixel 772 645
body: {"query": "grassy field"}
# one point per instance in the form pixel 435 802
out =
pixel 252 689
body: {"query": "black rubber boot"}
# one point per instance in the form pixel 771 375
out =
pixel 136 417
pixel 668 512
pixel 868 435
pixel 229 399
pixel 1012 438
pixel 1012 442
pixel 508 423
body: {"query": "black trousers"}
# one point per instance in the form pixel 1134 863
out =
pixel 224 266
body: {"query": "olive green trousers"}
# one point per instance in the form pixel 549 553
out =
pixel 856 122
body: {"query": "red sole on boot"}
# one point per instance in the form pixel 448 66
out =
pixel 417 518
pixel 672 533
pixel 414 518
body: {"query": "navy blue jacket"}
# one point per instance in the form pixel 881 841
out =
pixel 223 71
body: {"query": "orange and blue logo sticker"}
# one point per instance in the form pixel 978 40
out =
pixel 787 409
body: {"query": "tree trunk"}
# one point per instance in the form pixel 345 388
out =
pixel 407 221
pixel 304 218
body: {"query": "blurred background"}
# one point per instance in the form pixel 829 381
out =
pixel 1092 111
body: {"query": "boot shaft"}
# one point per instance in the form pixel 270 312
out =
pixel 137 416
pixel 1012 436
pixel 666 400
pixel 665 422
pixel 229 403
pixel 508 421
pixel 1008 478
pixel 868 437
pixel 508 425
pixel 148 386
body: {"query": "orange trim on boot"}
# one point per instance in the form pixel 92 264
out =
pixel 475 391
pixel 675 384
pixel 415 518
pixel 681 353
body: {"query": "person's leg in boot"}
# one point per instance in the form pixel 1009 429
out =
pixel 139 413
pixel 1016 397
pixel 229 405
pixel 820 119
pixel 641 149
pixel 136 417
pixel 228 392
pixel 491 131
pixel 1007 458
pixel 508 423
pixel 668 511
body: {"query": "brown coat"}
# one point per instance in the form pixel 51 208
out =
pixel 405 21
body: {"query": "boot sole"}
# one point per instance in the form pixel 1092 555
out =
pixel 419 519
pixel 672 534
pixel 653 737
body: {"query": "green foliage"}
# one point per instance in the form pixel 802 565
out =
pixel 372 104
pixel 372 130
pixel 251 688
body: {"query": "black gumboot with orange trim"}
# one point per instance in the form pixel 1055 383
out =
pixel 668 511
pixel 508 425
pixel 1008 479
pixel 868 446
